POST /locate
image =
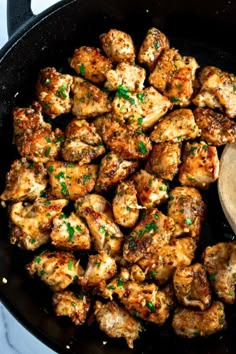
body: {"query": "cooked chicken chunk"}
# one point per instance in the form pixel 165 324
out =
pixel 220 262
pixel 69 180
pixel 66 303
pixel 175 127
pixel 56 269
pixel 152 232
pixel 31 225
pixel 149 104
pixel 24 181
pixel 164 160
pixel 98 203
pixel 113 169
pixel 88 100
pixel 217 90
pixel 53 92
pixel 187 208
pixel 128 75
pixel 118 46
pixel 152 46
pixel 191 323
pixel 174 75
pixel 216 128
pixel 91 64
pixel 69 232
pixel 192 287
pixel 151 191
pixel 82 142
pixel 125 204
pixel 116 322
pixel 200 165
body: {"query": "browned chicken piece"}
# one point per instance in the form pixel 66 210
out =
pixel 70 233
pixel 151 191
pixel 164 160
pixel 88 100
pixel 113 169
pixel 31 224
pixel 100 268
pixel 125 204
pixel 217 129
pixel 24 181
pixel 137 274
pixel 53 92
pixel 217 90
pixel 118 46
pixel 200 165
pixel 220 262
pixel 151 48
pixel 116 322
pixel 82 142
pixel 149 104
pixel 98 203
pixel 76 307
pixel 174 76
pixel 122 141
pixel 192 287
pixel 152 233
pixel 71 181
pixel 161 265
pixel 130 76
pixel 175 127
pixel 105 232
pixel 192 323
pixel 187 208
pixel 91 64
pixel 56 269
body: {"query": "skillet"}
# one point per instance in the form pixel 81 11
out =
pixel 204 29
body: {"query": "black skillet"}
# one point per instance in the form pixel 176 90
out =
pixel 205 29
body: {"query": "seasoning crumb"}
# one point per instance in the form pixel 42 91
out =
pixel 67 347
pixel 104 342
pixel 4 280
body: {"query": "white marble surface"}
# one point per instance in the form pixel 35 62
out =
pixel 14 338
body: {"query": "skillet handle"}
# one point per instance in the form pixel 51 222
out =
pixel 18 13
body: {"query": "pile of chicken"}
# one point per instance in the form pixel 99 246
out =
pixel 150 156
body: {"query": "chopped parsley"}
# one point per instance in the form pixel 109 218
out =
pixel 60 175
pixel 150 227
pixel 42 272
pixel 188 221
pixel 64 189
pixel 140 121
pixel 61 92
pixel 81 68
pixel 70 231
pixel 86 178
pixel 50 169
pixel 48 140
pixel 70 265
pixel 123 92
pixel 153 273
pixel 47 151
pixel 47 81
pixel 150 306
pixel 142 147
pixel 141 97
pixel 33 240
pixel 175 99
pixel 157 45
pixel 37 260
pixel 156 216
pixel 78 228
pixel 73 304
pixel 212 277
pixel 111 287
pixel 82 99
pixel 192 150
pixel 120 282
pixel 179 86
pixel 181 211
pixel 98 264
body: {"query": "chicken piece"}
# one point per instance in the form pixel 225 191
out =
pixel 56 269
pixel 82 142
pixel 91 64
pixel 70 180
pixel 200 165
pixel 161 265
pixel 125 204
pixel 192 287
pixel 149 104
pixel 151 48
pixel 113 169
pixel 191 323
pixel 122 141
pixel 116 322
pixel 66 303
pixel 118 46
pixel 216 128
pixel 88 100
pixel 151 191
pixel 70 233
pixel 53 92
pixel 152 233
pixel 31 225
pixel 128 75
pixel 24 181
pixel 164 160
pixel 98 203
pixel 220 262
pixel 175 127
pixel 217 90
pixel 170 298
pixel 174 76
pixel 187 208
pixel 100 268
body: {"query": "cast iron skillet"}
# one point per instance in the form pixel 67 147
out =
pixel 202 28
